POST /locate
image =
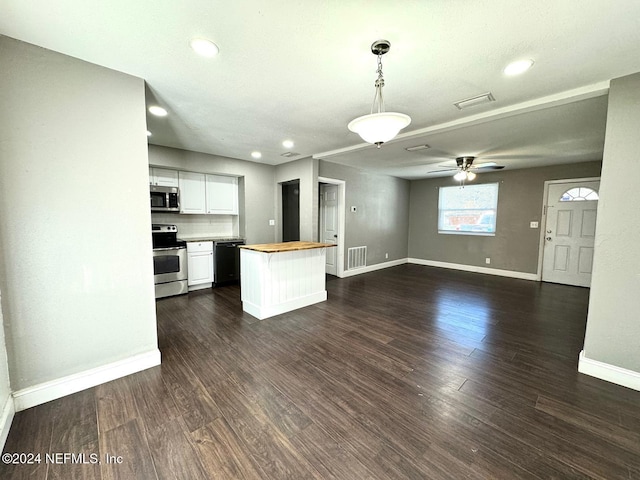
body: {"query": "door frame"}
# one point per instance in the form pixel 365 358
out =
pixel 341 220
pixel 543 216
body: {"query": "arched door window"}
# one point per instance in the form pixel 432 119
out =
pixel 579 194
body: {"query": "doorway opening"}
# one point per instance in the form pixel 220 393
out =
pixel 291 211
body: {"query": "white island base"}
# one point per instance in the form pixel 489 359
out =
pixel 278 278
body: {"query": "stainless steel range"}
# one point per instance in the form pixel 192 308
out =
pixel 169 261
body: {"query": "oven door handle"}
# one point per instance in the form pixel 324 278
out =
pixel 168 249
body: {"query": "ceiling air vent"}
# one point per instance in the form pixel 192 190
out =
pixel 417 148
pixel 289 154
pixel 473 101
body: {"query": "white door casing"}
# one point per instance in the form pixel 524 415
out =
pixel 329 225
pixel 569 235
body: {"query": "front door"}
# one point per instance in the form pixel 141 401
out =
pixel 570 232
pixel 329 223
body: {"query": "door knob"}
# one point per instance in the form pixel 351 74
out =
pixel 548 238
pixel 335 236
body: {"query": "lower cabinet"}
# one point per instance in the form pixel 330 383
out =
pixel 200 261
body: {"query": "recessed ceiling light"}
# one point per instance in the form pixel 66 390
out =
pixel 148 133
pixel 157 111
pixel 518 67
pixel 287 144
pixel 204 47
pixel 256 155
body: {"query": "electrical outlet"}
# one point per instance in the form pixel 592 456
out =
pixel 487 260
pixel 533 224
pixel 386 255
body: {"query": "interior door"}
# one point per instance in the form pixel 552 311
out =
pixel 329 223
pixel 570 232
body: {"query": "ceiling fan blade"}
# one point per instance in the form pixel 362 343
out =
pixel 444 170
pixel 485 164
pixel 489 167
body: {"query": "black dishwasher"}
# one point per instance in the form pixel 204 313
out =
pixel 226 268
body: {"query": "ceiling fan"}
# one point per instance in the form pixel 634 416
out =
pixel 466 170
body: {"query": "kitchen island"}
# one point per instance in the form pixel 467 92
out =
pixel 280 277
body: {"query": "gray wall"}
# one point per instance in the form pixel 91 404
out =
pixel 76 269
pixel 381 221
pixel 5 389
pixel 306 170
pixel 520 199
pixel 257 192
pixel 613 325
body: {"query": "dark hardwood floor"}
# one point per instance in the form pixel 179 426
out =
pixel 407 373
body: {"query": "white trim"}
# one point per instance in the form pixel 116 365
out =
pixel 562 98
pixel 265 311
pixel 6 419
pixel 61 387
pixel 543 215
pixel 372 268
pixel 609 373
pixel 475 269
pixel 342 187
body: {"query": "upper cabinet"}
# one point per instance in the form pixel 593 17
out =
pixel 222 195
pixel 163 177
pixel 192 192
pixel 208 194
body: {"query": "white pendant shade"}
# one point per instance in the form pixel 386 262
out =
pixel 380 127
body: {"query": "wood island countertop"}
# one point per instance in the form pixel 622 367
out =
pixel 285 246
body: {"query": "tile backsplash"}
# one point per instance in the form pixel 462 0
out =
pixel 200 225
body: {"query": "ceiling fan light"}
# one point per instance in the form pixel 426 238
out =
pixel 471 176
pixel 378 128
pixel 460 176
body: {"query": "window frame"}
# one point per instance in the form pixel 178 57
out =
pixel 488 210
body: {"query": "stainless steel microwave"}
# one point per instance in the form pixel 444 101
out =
pixel 164 199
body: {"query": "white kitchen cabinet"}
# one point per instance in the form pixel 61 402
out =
pixel 222 195
pixel 200 264
pixel 163 177
pixel 192 192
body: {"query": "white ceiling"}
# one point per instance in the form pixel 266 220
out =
pixel 302 70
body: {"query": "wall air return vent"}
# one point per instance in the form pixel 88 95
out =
pixel 356 257
pixel 473 101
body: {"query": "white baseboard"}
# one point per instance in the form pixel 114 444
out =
pixel 6 418
pixel 475 269
pixel 372 268
pixel 610 373
pixel 61 387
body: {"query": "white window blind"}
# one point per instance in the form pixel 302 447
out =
pixel 471 210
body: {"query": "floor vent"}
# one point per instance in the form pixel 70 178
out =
pixel 356 257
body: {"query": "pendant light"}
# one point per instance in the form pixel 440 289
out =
pixel 379 126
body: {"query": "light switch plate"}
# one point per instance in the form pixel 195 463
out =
pixel 272 223
pixel 533 225
pixel 354 208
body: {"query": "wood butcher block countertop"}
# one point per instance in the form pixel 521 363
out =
pixel 286 246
